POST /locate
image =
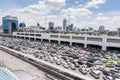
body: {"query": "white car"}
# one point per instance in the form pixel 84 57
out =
pixel 98 62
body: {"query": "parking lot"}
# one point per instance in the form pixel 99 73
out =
pixel 89 62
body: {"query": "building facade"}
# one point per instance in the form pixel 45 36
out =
pixel 64 24
pixel 22 25
pixel 90 29
pixel 118 32
pixel 103 41
pixel 51 25
pixel 10 24
pixel 70 27
pixel 101 29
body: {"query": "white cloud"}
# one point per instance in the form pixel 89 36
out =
pixel 100 14
pixel 101 19
pixel 43 7
pixel 76 12
pixel 94 3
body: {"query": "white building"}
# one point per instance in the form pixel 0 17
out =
pixel 103 41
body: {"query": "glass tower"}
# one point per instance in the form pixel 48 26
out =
pixel 64 24
pixel 10 24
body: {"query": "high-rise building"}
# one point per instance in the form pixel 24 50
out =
pixel 101 29
pixel 64 24
pixel 51 25
pixel 38 24
pixel 58 28
pixel 118 31
pixel 70 27
pixel 10 24
pixel 90 29
pixel 22 25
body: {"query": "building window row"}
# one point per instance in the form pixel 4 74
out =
pixel 78 38
pixel 94 39
pixel 113 40
pixel 38 34
pixel 54 36
pixel 65 37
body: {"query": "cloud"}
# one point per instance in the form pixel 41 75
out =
pixel 43 7
pixel 95 3
pixel 100 14
pixel 76 12
pixel 101 19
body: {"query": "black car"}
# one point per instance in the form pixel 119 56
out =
pixel 108 73
pixel 80 62
pixel 89 64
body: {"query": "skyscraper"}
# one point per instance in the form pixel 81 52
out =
pixel 22 25
pixel 10 24
pixel 101 29
pixel 64 24
pixel 51 25
pixel 118 31
pixel 70 27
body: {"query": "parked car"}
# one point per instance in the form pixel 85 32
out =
pixel 83 70
pixel 98 62
pixel 117 66
pixel 46 58
pixel 95 73
pixel 76 64
pixel 58 62
pixel 72 66
pixel 80 62
pixel 89 64
pixel 110 64
pixel 108 78
pixel 107 72
pixel 65 65
pixel 117 75
pixel 51 60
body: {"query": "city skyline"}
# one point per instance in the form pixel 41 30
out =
pixel 82 13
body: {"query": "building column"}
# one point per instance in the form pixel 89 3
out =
pixel 49 41
pixel 85 45
pixel 35 39
pixel 24 37
pixel 104 48
pixel 58 42
pixel 104 42
pixel 41 40
pixel 70 43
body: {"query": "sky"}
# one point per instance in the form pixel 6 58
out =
pixel 81 13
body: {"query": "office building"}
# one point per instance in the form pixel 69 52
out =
pixel 90 29
pixel 22 25
pixel 70 27
pixel 118 31
pixel 38 24
pixel 64 24
pixel 10 24
pixel 101 29
pixel 58 28
pixel 51 25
